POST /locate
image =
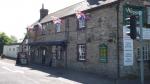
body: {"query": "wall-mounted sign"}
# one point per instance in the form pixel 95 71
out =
pixel 129 10
pixel 103 53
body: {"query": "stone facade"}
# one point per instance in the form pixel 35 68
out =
pixel 105 26
pixel 134 70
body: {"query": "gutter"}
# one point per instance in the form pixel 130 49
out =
pixel 118 42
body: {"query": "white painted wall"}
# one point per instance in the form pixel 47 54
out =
pixel 11 50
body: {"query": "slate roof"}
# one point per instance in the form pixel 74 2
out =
pixel 82 6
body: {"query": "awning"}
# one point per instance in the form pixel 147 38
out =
pixel 62 43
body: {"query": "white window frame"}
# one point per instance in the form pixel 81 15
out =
pixel 58 27
pixel 81 52
pixel 146 52
pixel 81 23
pixel 148 14
pixel 59 52
pixel 44 52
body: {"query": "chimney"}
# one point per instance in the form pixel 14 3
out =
pixel 43 12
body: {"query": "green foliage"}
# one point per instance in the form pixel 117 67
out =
pixel 14 39
pixel 4 39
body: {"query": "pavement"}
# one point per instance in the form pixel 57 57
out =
pixel 51 75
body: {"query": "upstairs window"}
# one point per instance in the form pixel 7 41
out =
pixel 81 20
pixel 48 27
pixel 81 49
pixel 43 28
pixel 57 23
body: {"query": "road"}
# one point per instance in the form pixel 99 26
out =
pixel 11 74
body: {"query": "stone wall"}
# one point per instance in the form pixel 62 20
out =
pixel 101 28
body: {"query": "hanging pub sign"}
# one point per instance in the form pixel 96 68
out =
pixel 103 53
pixel 129 10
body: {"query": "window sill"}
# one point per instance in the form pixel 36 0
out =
pixel 85 60
pixel 83 28
pixel 145 60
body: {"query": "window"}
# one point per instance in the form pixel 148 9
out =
pixel 148 14
pixel 26 41
pixel 17 49
pixel 57 22
pixel 81 20
pixel 146 52
pixel 81 49
pixel 81 23
pixel 36 52
pixel 43 28
pixel 44 52
pixel 59 52
pixel 57 26
pixel 48 28
pixel 9 49
pixel 13 49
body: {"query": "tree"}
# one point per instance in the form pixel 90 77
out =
pixel 14 39
pixel 4 39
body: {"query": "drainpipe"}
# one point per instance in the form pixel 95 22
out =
pixel 118 51
pixel 66 39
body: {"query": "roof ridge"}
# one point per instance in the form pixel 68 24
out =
pixel 69 10
pixel 67 7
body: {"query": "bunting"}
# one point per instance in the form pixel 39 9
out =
pixel 81 19
pixel 80 15
pixel 30 32
pixel 57 21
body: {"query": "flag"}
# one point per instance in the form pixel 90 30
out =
pixel 39 25
pixel 80 15
pixel 30 32
pixel 56 20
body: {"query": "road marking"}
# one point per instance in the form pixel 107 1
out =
pixel 4 63
pixel 6 68
pixel 16 71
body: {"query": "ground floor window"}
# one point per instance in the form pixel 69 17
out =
pixel 81 50
pixel 146 51
pixel 59 52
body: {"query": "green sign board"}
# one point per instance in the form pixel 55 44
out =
pixel 103 53
pixel 129 10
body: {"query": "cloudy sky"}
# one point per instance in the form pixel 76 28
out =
pixel 16 15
